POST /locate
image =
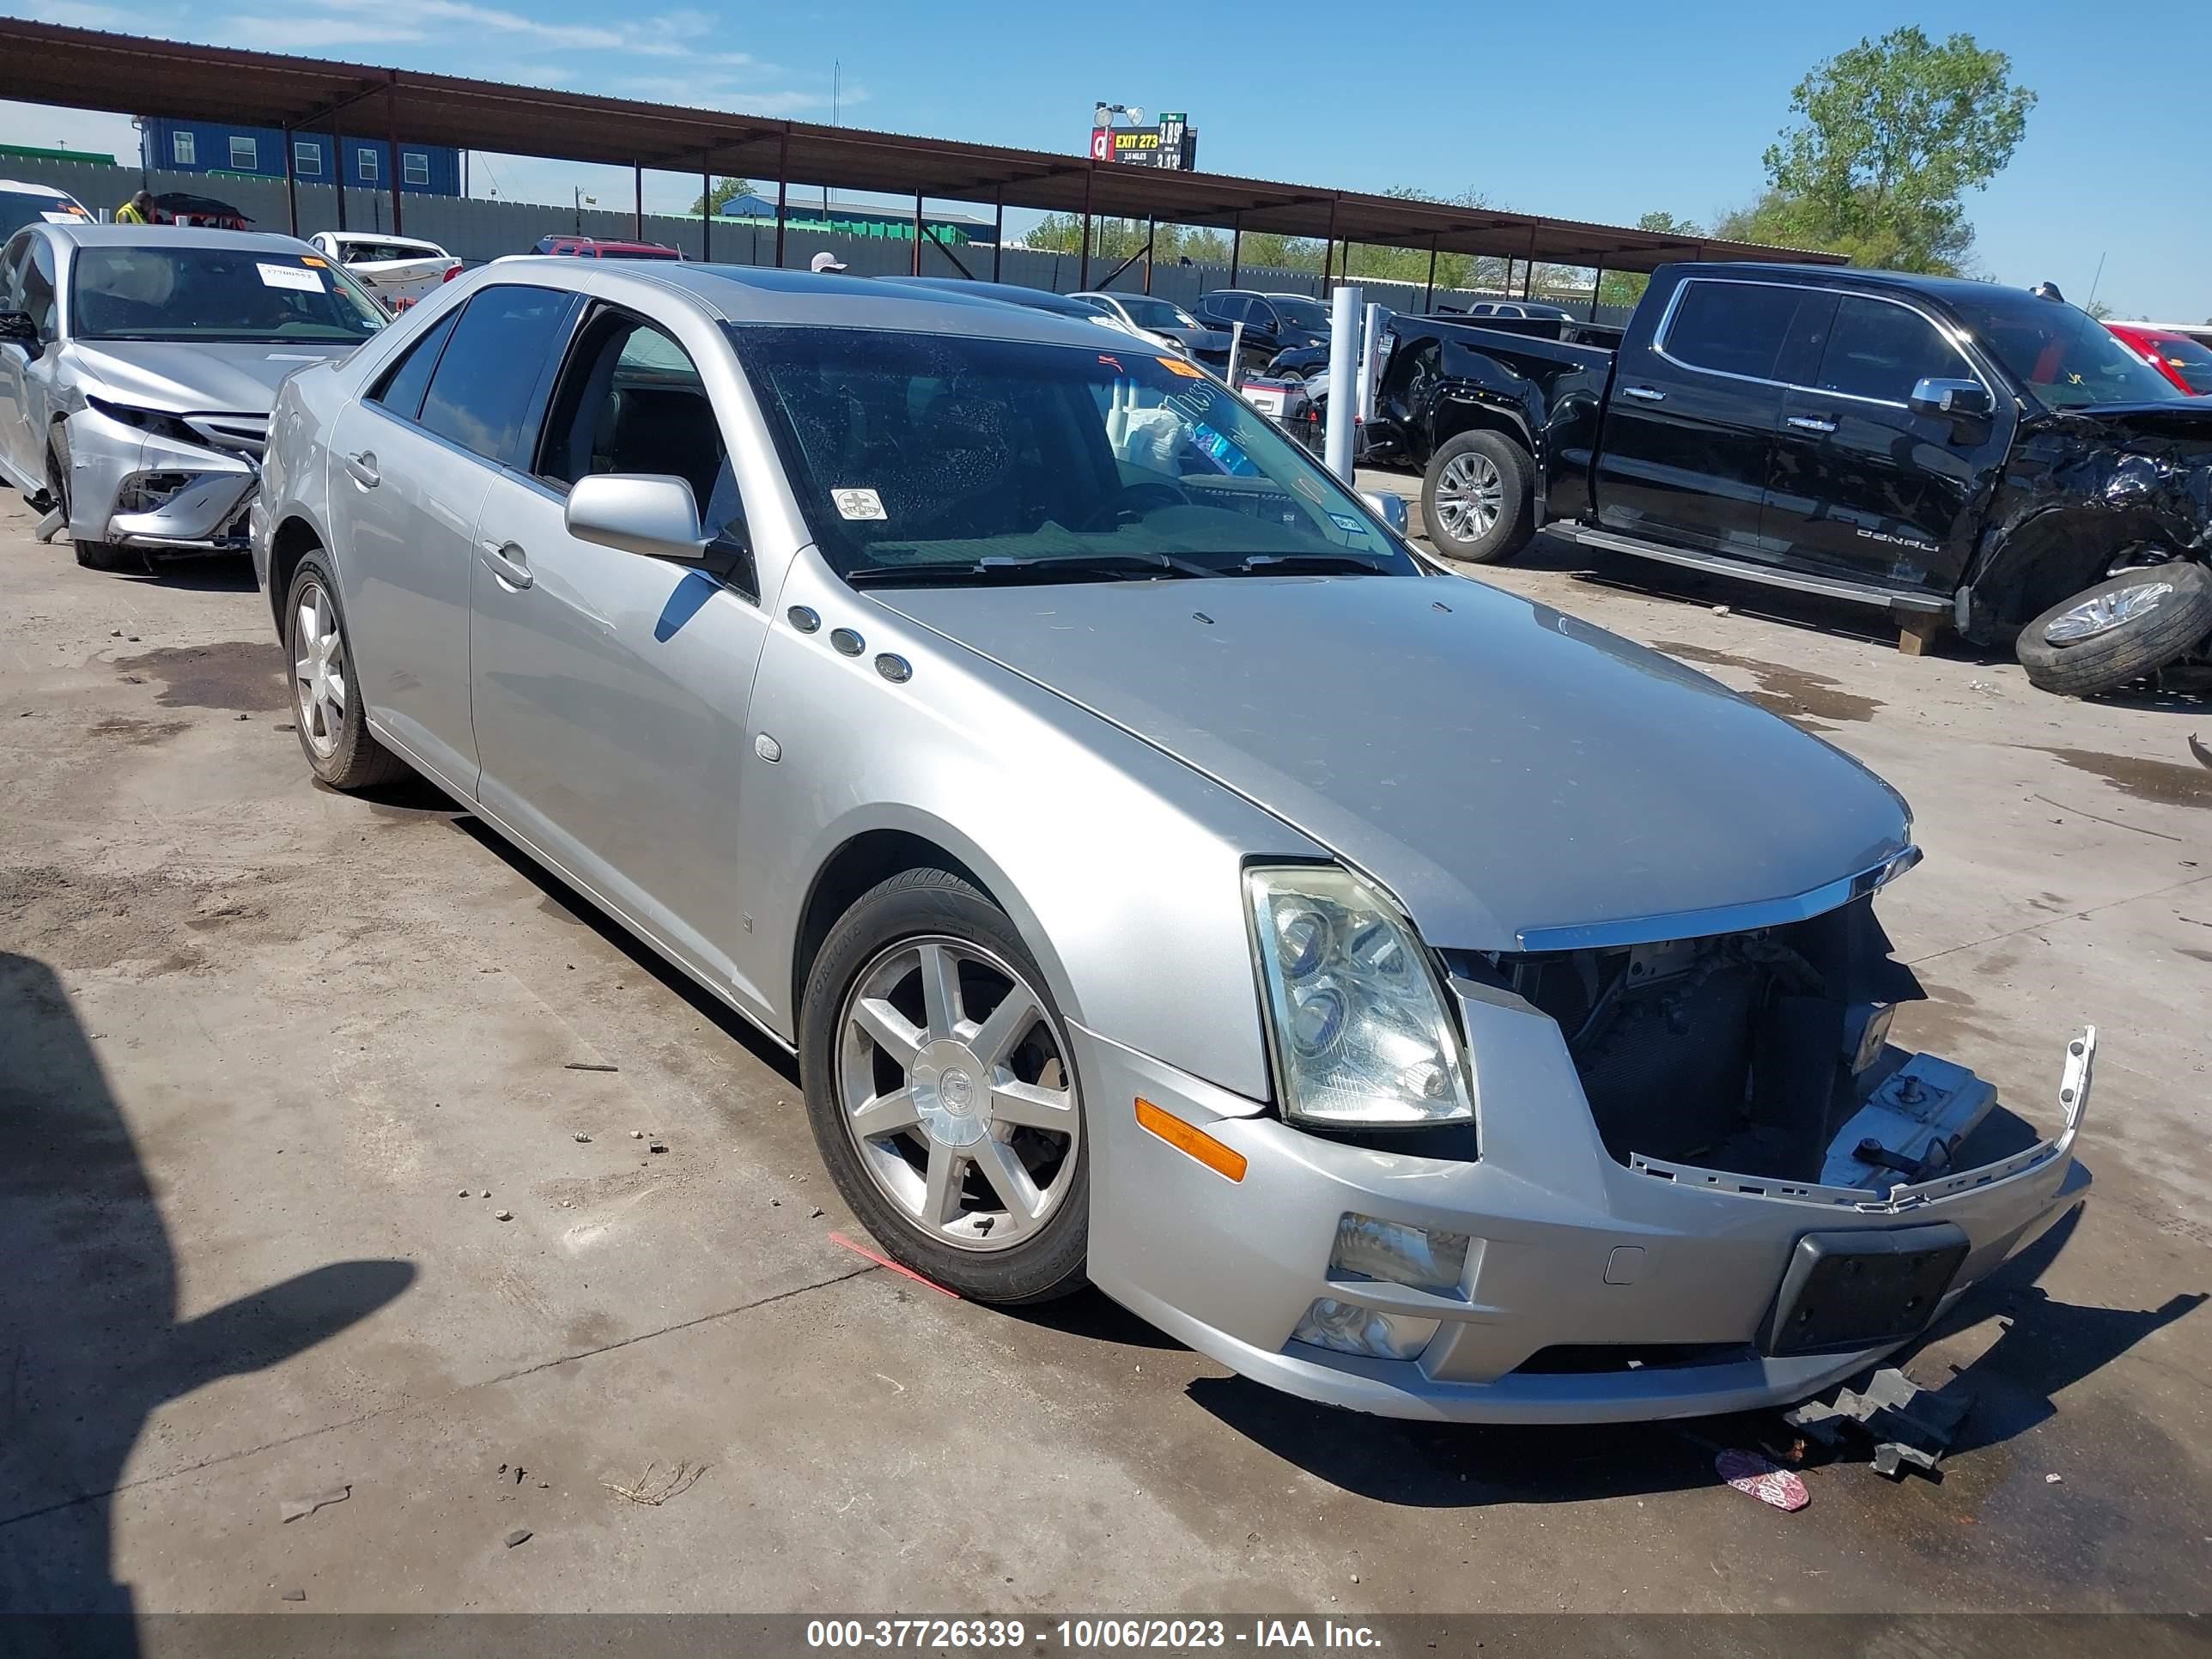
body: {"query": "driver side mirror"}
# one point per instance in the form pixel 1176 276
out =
pixel 19 328
pixel 638 513
pixel 1957 400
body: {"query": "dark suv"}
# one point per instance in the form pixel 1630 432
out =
pixel 1273 322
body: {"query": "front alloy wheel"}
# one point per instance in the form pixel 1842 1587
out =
pixel 955 1089
pixel 943 1093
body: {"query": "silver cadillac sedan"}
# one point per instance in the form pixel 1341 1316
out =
pixel 1408 995
pixel 138 364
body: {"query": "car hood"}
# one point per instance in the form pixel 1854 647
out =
pixel 1501 766
pixel 1197 339
pixel 231 377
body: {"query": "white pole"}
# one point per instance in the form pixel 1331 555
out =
pixel 1343 377
pixel 1236 355
pixel 1370 352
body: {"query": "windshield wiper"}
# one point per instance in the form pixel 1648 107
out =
pixel 1067 567
pixel 1308 564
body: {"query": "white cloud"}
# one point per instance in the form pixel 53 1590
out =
pixel 313 33
pixel 70 14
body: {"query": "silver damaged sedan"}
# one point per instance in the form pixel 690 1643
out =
pixel 1407 995
pixel 137 365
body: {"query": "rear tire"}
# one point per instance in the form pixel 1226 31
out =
pixel 326 703
pixel 1476 504
pixel 2146 631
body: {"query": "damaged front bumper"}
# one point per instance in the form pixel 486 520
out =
pixel 1580 1288
pixel 132 487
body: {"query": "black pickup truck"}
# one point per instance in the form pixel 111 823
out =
pixel 1954 451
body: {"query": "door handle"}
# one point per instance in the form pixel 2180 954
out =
pixel 504 560
pixel 1643 394
pixel 361 469
pixel 1812 422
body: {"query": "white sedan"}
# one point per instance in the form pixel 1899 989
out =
pixel 395 268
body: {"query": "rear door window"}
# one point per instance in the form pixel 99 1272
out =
pixel 2187 358
pixel 1880 351
pixel 1730 328
pixel 402 388
pixel 480 393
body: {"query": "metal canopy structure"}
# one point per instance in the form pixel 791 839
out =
pixel 87 68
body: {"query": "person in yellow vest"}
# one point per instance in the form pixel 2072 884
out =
pixel 138 210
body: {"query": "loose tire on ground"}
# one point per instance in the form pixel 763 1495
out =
pixel 327 704
pixel 856 986
pixel 1476 504
pixel 93 556
pixel 2165 628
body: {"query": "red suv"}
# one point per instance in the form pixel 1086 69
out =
pixel 590 247
pixel 2181 357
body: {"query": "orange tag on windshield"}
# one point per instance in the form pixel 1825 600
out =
pixel 310 260
pixel 1176 366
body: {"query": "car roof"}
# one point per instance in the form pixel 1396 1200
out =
pixel 755 295
pixel 1009 294
pixel 1905 281
pixel 89 235
pixel 29 189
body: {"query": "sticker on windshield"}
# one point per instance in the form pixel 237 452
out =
pixel 310 260
pixel 1176 366
pixel 291 276
pixel 1347 524
pixel 858 504
pixel 65 216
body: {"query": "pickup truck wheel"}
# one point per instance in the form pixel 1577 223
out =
pixel 1474 500
pixel 942 1091
pixel 2126 627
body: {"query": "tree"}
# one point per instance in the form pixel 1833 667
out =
pixel 1625 288
pixel 1892 134
pixel 726 191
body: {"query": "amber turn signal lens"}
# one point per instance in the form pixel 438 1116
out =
pixel 1222 1160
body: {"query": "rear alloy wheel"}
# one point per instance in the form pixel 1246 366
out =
pixel 325 697
pixel 2127 626
pixel 93 556
pixel 1475 501
pixel 942 1093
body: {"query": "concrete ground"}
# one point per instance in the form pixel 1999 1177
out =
pixel 274 1062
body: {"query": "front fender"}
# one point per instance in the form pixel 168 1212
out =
pixel 1121 867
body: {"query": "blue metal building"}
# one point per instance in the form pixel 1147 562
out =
pixel 213 147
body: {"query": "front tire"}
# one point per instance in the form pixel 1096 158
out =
pixel 326 702
pixel 2126 627
pixel 93 556
pixel 942 1092
pixel 1476 504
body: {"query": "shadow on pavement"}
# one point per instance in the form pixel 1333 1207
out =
pixel 575 907
pixel 90 1342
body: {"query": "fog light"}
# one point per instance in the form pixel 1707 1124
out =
pixel 1347 1327
pixel 1391 1251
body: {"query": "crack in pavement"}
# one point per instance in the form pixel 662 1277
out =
pixel 2046 922
pixel 413 1403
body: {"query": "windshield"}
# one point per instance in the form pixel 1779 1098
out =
pixel 927 458
pixel 216 293
pixel 19 207
pixel 1302 313
pixel 1147 312
pixel 2065 356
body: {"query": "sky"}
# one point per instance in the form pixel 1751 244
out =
pixel 1601 112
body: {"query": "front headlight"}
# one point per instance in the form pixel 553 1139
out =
pixel 1361 1036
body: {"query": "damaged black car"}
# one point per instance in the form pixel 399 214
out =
pixel 1958 453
